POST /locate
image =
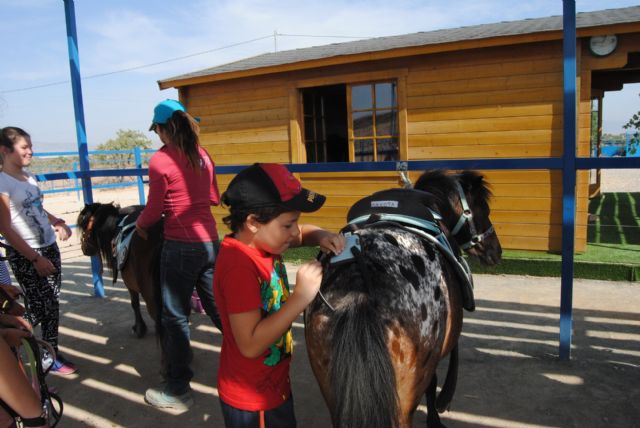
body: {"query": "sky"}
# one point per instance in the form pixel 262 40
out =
pixel 126 46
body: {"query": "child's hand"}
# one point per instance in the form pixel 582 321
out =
pixel 13 291
pixel 308 280
pixel 43 266
pixel 63 231
pixel 332 242
pixel 13 321
pixel 14 336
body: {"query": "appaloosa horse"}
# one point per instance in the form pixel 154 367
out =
pixel 99 224
pixel 391 309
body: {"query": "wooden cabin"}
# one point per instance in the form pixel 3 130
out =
pixel 484 91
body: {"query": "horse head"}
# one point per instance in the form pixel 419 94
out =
pixel 97 225
pixel 465 210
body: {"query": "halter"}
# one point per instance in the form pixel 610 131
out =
pixel 467 218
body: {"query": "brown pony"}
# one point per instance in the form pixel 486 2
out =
pixel 384 319
pixel 98 225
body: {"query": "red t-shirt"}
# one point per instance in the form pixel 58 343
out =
pixel 247 279
pixel 184 194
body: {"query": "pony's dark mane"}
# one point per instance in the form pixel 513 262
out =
pixel 443 185
pixel 105 222
pixel 476 183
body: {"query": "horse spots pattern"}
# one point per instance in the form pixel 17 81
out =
pixel 418 264
pixel 390 239
pixel 428 248
pixel 405 270
pixel 411 276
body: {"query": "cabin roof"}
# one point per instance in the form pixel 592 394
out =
pixel 267 61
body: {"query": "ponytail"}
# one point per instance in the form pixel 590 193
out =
pixel 184 132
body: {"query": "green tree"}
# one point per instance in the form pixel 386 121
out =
pixel 634 126
pixel 126 139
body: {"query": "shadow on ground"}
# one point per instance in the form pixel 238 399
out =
pixel 510 374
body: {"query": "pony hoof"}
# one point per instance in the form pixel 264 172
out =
pixel 139 331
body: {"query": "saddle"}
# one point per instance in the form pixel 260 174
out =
pixel 409 209
pixel 122 241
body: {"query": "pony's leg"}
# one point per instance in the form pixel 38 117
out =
pixel 139 328
pixel 433 419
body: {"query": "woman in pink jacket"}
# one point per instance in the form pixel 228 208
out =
pixel 182 189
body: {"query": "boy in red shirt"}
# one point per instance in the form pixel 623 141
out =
pixel 252 292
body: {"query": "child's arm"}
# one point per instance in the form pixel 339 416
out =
pixel 311 235
pixel 254 334
pixel 42 264
pixel 15 390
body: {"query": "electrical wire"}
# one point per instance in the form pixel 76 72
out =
pixel 153 64
pixel 124 70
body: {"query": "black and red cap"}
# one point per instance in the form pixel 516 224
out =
pixel 267 185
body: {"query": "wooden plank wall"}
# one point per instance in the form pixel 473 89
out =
pixel 501 103
pixel 485 103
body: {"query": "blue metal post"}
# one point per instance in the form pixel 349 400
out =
pixel 74 168
pixel 568 177
pixel 81 135
pixel 138 156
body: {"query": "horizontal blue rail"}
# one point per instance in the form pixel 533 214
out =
pixel 95 186
pixel 483 164
pixel 91 152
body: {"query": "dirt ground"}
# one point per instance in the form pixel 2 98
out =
pixel 510 373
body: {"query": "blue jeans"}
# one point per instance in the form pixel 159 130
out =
pixel 184 265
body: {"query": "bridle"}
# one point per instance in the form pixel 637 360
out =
pixel 466 218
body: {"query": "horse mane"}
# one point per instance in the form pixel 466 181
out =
pixel 442 184
pixel 475 183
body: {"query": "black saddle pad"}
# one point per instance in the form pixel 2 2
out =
pixel 406 202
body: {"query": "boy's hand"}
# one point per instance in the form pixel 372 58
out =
pixel 332 242
pixel 308 280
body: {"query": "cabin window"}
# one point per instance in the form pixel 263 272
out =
pixel 360 127
pixel 374 120
pixel 325 123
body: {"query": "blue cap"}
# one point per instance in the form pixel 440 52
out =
pixel 164 110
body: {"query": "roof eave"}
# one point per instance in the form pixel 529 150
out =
pixel 506 40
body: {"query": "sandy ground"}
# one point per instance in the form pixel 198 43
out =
pixel 621 180
pixel 510 372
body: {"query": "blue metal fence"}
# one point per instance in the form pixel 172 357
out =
pixel 568 163
pixel 138 156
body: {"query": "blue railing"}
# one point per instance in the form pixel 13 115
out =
pixel 138 157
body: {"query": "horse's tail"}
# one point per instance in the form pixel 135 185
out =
pixel 361 374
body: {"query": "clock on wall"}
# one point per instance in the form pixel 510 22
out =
pixel 603 45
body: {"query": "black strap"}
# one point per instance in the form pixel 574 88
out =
pixel 32 422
